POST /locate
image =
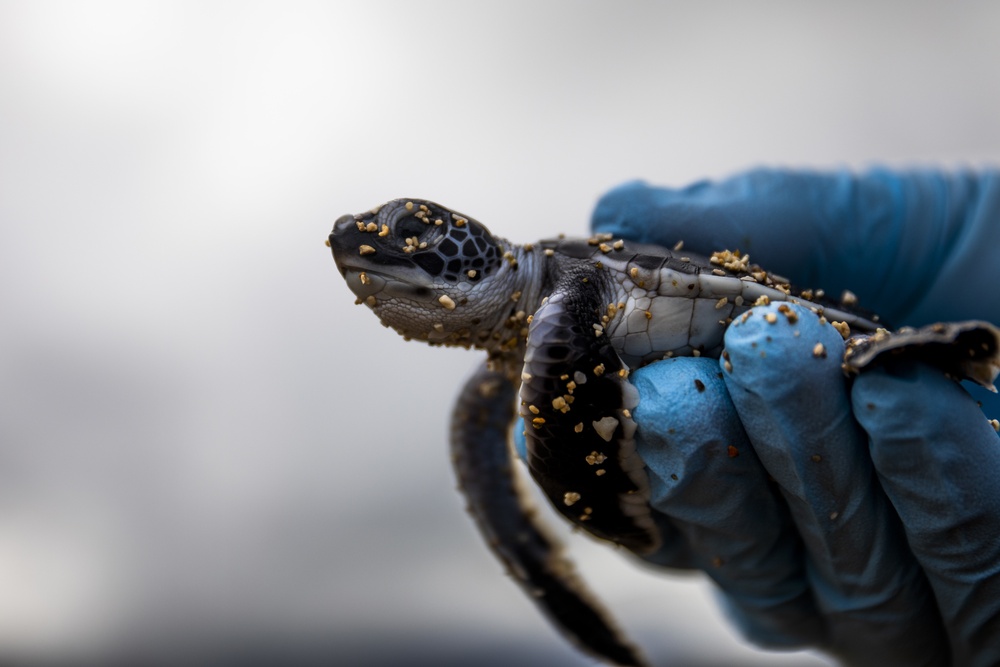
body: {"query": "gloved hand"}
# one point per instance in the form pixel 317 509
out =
pixel 862 517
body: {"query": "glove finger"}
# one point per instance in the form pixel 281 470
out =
pixel 783 373
pixel 907 243
pixel 707 482
pixel 939 462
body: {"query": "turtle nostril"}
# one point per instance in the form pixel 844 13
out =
pixel 344 222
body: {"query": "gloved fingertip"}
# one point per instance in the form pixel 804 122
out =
pixel 686 389
pixel 768 343
pixel 910 408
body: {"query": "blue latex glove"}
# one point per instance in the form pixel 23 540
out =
pixel 860 517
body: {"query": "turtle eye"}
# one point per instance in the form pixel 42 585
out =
pixel 410 226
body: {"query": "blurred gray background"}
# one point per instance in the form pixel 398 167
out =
pixel 206 451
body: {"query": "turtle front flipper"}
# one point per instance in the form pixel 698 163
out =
pixel 576 402
pixel 484 466
pixel 967 350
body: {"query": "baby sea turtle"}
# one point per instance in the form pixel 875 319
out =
pixel 563 322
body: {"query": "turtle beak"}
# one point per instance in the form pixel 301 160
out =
pixel 342 223
pixel 343 230
pixel 344 238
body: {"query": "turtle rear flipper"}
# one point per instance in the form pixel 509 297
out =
pixel 968 350
pixel 483 463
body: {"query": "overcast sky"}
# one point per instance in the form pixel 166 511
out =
pixel 203 443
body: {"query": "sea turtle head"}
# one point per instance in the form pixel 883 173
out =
pixel 428 272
